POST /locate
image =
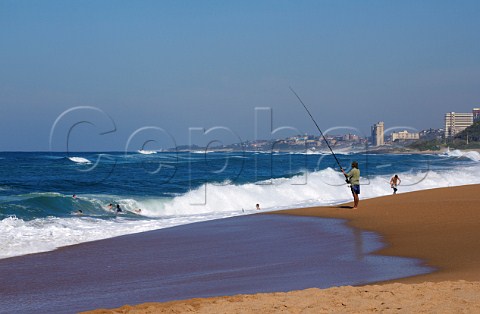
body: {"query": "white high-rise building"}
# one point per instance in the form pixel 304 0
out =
pixel 377 134
pixel 457 122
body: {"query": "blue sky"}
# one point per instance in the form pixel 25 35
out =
pixel 177 65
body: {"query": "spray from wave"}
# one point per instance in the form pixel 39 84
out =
pixel 472 155
pixel 80 160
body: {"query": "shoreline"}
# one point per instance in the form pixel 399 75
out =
pixel 237 255
pixel 439 226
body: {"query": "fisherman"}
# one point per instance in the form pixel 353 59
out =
pixel 353 177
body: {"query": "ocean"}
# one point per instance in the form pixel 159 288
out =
pixel 156 190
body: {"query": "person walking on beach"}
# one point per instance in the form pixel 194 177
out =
pixel 353 177
pixel 394 182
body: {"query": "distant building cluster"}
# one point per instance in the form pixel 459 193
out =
pixel 456 122
pixel 378 135
pixel 302 142
pixel 311 142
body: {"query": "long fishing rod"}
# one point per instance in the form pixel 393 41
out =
pixel 298 97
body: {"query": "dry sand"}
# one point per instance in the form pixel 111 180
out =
pixel 439 226
pixel 445 297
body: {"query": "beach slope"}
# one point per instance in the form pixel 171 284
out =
pixel 439 226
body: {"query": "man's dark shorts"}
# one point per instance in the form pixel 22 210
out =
pixel 355 189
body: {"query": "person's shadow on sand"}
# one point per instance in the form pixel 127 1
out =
pixel 345 206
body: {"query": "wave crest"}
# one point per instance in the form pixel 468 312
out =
pixel 80 160
pixel 472 155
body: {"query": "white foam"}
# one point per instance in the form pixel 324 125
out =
pixel 21 237
pixel 324 187
pixel 80 160
pixel 472 155
pixel 147 152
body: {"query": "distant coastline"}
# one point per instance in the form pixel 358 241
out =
pixel 386 149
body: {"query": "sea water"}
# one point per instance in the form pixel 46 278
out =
pixel 237 255
pixel 155 190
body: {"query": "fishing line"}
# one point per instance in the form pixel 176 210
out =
pixel 298 97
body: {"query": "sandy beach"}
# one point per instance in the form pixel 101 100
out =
pixel 439 226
